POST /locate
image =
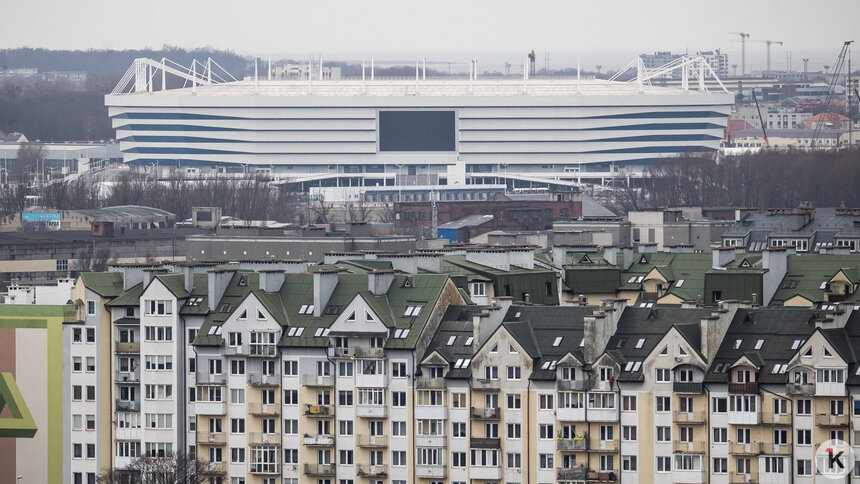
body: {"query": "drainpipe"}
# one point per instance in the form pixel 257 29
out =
pixel 528 427
pixel 708 431
pixel 618 409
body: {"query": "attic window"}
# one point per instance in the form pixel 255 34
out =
pixel 332 309
pixel 639 279
pixel 857 372
pixel 582 343
pixel 640 343
pixel 643 260
pixel 350 318
pixel 517 316
pixel 260 315
pixel 664 351
pixel 557 340
pixel 682 351
pixel 545 365
pixel 495 348
pixel 758 344
pixel 468 341
pixel 585 259
pixel 243 281
pixel 295 332
pixel 823 286
pixel 194 301
pixel 789 284
pixel 679 283
pixel 451 340
pixel 552 365
pixel 407 283
pixel 779 369
pixel 628 366
pixel 369 317
pixel 631 280
pixel 462 363
pixel 620 343
pixel 318 332
pixel 637 365
pixel 738 343
pixel 306 309
pixel 215 330
pixel 412 311
pixel 827 353
pixel 512 350
pixel 808 353
pixel 244 314
pixel 226 308
pixel 796 344
pixel 745 264
pixel 401 334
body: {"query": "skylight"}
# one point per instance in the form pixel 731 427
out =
pixel 582 343
pixel 640 343
pixel 557 340
pixel 318 332
pixel 631 280
pixel 679 283
pixel 628 366
pixel 451 340
pixel 306 309
pixel 412 311
pixel 738 343
pixel 796 344
pixel 403 333
pixel 758 344
pixel 637 365
pixel 468 341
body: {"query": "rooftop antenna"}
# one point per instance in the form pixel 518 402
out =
pixel 363 84
pixel 578 87
pixel 270 69
pixel 256 77
pixel 371 68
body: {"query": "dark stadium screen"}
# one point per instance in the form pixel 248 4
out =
pixel 416 131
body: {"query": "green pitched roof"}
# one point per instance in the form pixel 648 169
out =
pixel 128 298
pixel 105 284
pixel 806 273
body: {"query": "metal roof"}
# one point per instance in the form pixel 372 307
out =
pixel 125 212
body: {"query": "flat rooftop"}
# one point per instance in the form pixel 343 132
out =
pixel 429 88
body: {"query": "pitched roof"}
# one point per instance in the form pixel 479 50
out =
pixel 806 274
pixel 450 339
pixel 105 284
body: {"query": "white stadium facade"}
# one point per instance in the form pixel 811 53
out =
pixel 385 133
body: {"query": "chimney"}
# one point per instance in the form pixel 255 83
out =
pixel 429 261
pixel 610 255
pixel 589 352
pixel 627 257
pixel 271 280
pixel 496 258
pixel 405 263
pixel 218 280
pixel 188 273
pixel 324 283
pixel 775 261
pixel 378 282
pixel 523 257
pixel 132 276
pixel 722 256
pixel 647 247
pixel 713 329
pixel 150 273
pixel 559 255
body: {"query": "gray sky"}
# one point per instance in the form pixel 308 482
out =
pixel 441 29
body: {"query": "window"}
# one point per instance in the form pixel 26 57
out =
pixel 237 425
pixel 345 398
pixel 803 406
pixel 628 463
pixel 237 455
pixel 664 464
pixel 291 368
pixel 515 431
pixel 237 395
pixel 664 434
pixel 398 457
pixel 398 369
pixel 628 403
pixel 545 431
pixel 91 308
pixel 837 407
pixel 163 363
pixel 546 461
pixel 664 375
pixel 774 465
pixel 663 404
pixel 347 457
pixel 398 399
pixel 458 429
pixel 291 426
pixel 804 467
pixel 514 373
pixel 158 333
pixel 721 465
pixel 458 459
pixel 158 307
pixel 91 335
pixel 628 433
pixel 491 372
pixel 721 435
pixel 291 397
pixel 804 437
pixel 458 400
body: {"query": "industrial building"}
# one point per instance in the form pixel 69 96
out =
pixel 371 132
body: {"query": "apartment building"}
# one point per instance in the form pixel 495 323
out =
pixel 281 372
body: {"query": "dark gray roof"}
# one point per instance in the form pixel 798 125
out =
pixel 592 209
pixel 456 322
pixel 825 226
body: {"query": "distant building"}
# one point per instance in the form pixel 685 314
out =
pixel 131 217
pixel 718 61
pixel 805 229
pixel 828 121
pixel 45 292
pixel 300 72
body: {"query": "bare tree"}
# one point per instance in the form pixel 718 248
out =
pixel 168 469
pixel 358 210
pixel 320 208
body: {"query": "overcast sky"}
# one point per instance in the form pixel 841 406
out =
pixel 441 29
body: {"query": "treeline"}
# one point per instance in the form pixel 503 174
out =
pixel 767 179
pixel 113 63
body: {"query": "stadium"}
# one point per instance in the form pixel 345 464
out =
pixel 384 133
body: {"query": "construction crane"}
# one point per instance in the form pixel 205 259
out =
pixel 844 54
pixel 769 43
pixel 744 37
pixel 761 120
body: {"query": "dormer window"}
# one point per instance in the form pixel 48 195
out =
pixel 606 373
pixel 743 376
pixel 568 373
pixel 435 372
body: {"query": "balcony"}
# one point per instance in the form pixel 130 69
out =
pixel 371 441
pixel 256 380
pixel 366 352
pixel 127 433
pixel 690 417
pixel 688 387
pixel 774 449
pixel 485 413
pixel 127 376
pixel 770 418
pixel 572 445
pixel 264 468
pixel 318 411
pixel 427 383
pixel 126 406
pixel 320 381
pixel 210 408
pixel 689 447
pixel 372 471
pixel 743 449
pixel 746 388
pixel 128 348
pixel 649 296
pixel 214 468
pixel 431 412
pixel 485 473
pixel 371 411
pixel 262 350
pixel 430 440
pixel 485 443
pixel 800 388
pixel 567 414
pixel 262 438
pixel 210 379
pixel 211 438
pixel 318 440
pixel 571 385
pixel 319 470
pixel 431 471
pixel 603 446
pixel 375 380
pixel 827 420
pixel 576 473
pixel 486 384
pixel 261 409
